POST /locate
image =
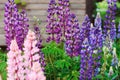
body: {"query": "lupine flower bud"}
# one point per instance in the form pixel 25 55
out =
pixel 115 59
pixel 111 71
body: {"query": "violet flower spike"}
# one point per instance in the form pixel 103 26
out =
pixel 53 27
pixel 10 21
pixel 39 45
pixel 72 35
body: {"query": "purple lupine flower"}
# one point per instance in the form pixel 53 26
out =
pixel 53 27
pixel 98 31
pixel 72 41
pixel 86 26
pixel 118 31
pixel 21 28
pixel 99 43
pixel 11 14
pixel 86 66
pixel 84 30
pixel 39 45
pixel 64 11
pixel 110 16
pixel 16 26
pixel 113 31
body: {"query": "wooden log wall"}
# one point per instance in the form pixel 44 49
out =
pixel 38 8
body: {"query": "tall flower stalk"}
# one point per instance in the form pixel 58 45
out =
pixel 14 62
pixel 11 14
pixel 39 45
pixel 22 28
pixel 53 26
pixel 72 41
pixel 32 66
pixel 64 11
pixel 109 19
pixel 86 66
pixel 15 24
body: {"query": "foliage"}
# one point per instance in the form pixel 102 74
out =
pixel 3 65
pixel 59 64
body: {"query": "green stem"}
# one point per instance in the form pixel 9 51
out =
pixel 52 65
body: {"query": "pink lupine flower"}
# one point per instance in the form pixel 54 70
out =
pixel 14 62
pixel 32 66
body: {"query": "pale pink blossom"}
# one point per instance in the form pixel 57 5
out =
pixel 14 62
pixel 32 66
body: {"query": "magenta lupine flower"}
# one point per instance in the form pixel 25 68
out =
pixel 72 41
pixel 53 27
pixel 31 59
pixel 14 62
pixel 16 25
pixel 39 45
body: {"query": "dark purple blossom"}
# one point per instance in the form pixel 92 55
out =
pixel 53 26
pixel 64 11
pixel 72 35
pixel 21 28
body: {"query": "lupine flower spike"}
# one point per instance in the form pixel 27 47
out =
pixel 10 21
pixel 39 45
pixel 32 66
pixel 72 36
pixel 53 27
pixel 14 62
pixel 16 25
